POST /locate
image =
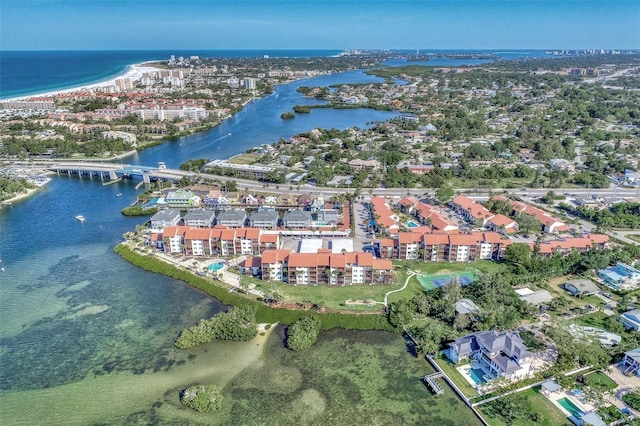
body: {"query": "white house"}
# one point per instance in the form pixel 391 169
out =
pixel 497 353
pixel 631 319
pixel 631 362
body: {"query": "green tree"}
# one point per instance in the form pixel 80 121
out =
pixel 518 254
pixel 303 333
pixel 202 398
pixel 431 336
pixel 444 194
pixel 401 314
pixel 528 223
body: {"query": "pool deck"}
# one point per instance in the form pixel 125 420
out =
pixel 465 371
pixel 583 406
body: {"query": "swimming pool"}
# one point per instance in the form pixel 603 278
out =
pixel 570 407
pixel 477 374
pixel 412 224
pixel 215 266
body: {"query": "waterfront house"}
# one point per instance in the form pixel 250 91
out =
pixel 631 319
pixel 199 218
pixel 182 198
pixel 631 362
pixel 264 219
pixel 164 218
pixel 620 277
pixel 232 218
pixel 497 353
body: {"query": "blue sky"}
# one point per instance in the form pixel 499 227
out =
pixel 318 24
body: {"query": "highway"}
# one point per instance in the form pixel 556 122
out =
pixel 285 188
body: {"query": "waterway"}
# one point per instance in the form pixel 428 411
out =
pixel 86 338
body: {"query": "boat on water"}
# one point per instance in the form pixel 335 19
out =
pixel 80 218
pixel 119 194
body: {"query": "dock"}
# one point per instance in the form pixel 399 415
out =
pixel 430 380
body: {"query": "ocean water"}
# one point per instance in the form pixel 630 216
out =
pixel 29 72
pixel 86 338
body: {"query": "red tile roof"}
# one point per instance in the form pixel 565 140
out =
pixel 386 242
pixel 382 264
pixel 463 240
pixel 274 256
pixel 269 238
pixel 197 234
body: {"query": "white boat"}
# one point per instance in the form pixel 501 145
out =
pixel 119 194
pixel 80 218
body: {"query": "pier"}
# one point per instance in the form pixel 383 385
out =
pixel 430 380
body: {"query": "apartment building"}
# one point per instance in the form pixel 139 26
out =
pixel 325 267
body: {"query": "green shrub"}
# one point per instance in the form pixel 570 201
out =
pixel 302 109
pixel 239 323
pixel 202 398
pixel 139 211
pixel 632 399
pixel 303 333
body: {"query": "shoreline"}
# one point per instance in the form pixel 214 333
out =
pixel 133 71
pixel 21 196
pixel 265 313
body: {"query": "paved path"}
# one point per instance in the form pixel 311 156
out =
pixel 411 274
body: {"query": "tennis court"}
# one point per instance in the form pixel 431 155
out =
pixel 429 282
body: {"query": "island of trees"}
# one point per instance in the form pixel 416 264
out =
pixel 239 323
pixel 202 398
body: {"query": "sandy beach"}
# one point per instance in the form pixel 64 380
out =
pixel 20 196
pixel 134 72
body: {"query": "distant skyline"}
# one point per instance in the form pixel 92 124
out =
pixel 318 24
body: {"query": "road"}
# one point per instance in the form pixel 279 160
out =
pixel 252 185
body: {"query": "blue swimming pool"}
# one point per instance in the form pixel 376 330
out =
pixel 477 374
pixel 215 266
pixel 412 224
pixel 570 407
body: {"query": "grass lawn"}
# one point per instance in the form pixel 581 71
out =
pixel 333 297
pixel 246 158
pixel 552 416
pixel 433 268
pixel 456 378
pixel 595 319
pixel 413 289
pixel 600 381
pixel 557 291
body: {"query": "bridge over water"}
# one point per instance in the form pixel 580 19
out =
pixel 116 171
